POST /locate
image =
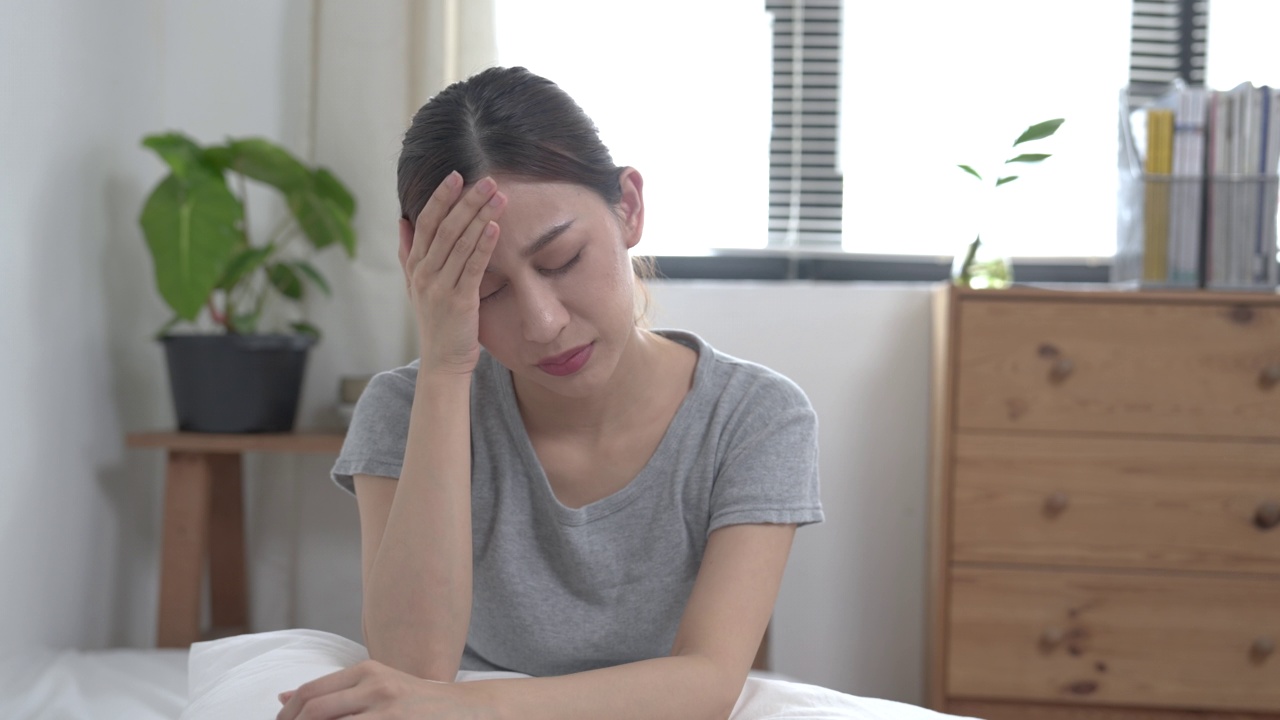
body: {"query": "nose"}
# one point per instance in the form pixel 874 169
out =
pixel 542 315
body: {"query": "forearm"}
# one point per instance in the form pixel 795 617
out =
pixel 417 600
pixel 673 688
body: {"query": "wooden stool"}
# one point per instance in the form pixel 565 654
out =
pixel 204 518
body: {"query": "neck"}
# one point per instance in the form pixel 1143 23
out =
pixel 545 412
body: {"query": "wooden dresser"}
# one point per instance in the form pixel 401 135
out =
pixel 1106 503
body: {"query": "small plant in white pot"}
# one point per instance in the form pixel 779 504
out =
pixel 241 377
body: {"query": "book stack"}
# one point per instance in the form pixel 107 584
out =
pixel 1198 189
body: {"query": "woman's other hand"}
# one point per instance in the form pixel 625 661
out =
pixel 373 690
pixel 444 256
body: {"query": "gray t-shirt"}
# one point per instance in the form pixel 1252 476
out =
pixel 558 590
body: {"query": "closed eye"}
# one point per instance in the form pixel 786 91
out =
pixel 549 271
pixel 565 267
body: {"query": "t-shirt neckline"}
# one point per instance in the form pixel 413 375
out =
pixel 633 489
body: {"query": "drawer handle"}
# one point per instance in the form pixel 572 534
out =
pixel 1063 367
pixel 1262 649
pixel 1267 516
pixel 1051 638
pixel 1056 504
pixel 1269 376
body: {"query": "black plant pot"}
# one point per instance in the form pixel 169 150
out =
pixel 236 383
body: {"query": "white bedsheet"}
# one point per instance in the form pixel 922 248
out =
pixel 240 677
pixel 92 685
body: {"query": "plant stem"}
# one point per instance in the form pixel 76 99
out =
pixel 244 206
pixel 285 223
pixel 219 318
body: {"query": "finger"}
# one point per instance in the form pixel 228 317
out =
pixel 437 207
pixel 456 222
pixel 332 706
pixel 320 687
pixel 473 269
pixel 466 245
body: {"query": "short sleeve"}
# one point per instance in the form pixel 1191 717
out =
pixel 769 473
pixel 378 431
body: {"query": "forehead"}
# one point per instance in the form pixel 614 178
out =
pixel 533 206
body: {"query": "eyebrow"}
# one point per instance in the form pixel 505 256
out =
pixel 546 238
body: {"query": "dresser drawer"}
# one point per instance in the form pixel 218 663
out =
pixel 1114 639
pixel 1116 502
pixel 1119 367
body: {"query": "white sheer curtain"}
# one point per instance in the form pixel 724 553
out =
pixel 680 89
pixel 375 65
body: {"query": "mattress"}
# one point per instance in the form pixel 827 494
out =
pixel 93 685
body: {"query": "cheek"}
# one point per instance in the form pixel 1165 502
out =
pixel 493 330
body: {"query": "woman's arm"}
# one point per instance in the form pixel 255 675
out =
pixel 701 680
pixel 416 538
pixel 719 634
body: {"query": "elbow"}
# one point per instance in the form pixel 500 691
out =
pixel 424 662
pixel 422 666
pixel 726 686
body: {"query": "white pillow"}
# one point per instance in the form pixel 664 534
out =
pixel 242 677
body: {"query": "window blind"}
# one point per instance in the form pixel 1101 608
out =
pixel 806 190
pixel 1168 42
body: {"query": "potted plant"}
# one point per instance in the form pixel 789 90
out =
pixel 977 266
pixel 244 376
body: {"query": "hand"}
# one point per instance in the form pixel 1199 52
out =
pixel 373 690
pixel 444 257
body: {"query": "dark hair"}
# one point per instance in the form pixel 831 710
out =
pixel 503 120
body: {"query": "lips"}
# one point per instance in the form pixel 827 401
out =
pixel 567 363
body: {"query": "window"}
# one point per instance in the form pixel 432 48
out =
pixel 684 90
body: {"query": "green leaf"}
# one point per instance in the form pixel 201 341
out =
pixel 323 221
pixel 970 170
pixel 306 328
pixel 313 275
pixel 285 280
pixel 1028 158
pixel 245 323
pixel 183 155
pixel 266 162
pixel 1039 131
pixel 243 265
pixel 328 186
pixel 192 231
pixel 1007 179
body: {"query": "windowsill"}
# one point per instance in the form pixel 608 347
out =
pixel 834 265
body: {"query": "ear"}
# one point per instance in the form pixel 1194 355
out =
pixel 631 205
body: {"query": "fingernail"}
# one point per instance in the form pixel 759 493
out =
pixel 454 179
pixel 497 199
pixel 486 185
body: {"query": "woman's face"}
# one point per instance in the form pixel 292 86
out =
pixel 556 302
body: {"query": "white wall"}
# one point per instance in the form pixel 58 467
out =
pixel 77 89
pixel 82 81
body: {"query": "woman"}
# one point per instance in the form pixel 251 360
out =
pixel 552 489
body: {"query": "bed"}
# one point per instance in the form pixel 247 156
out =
pixel 239 677
pixel 89 685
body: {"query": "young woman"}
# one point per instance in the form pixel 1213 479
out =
pixel 550 488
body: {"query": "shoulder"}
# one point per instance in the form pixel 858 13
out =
pixel 389 389
pixel 731 380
